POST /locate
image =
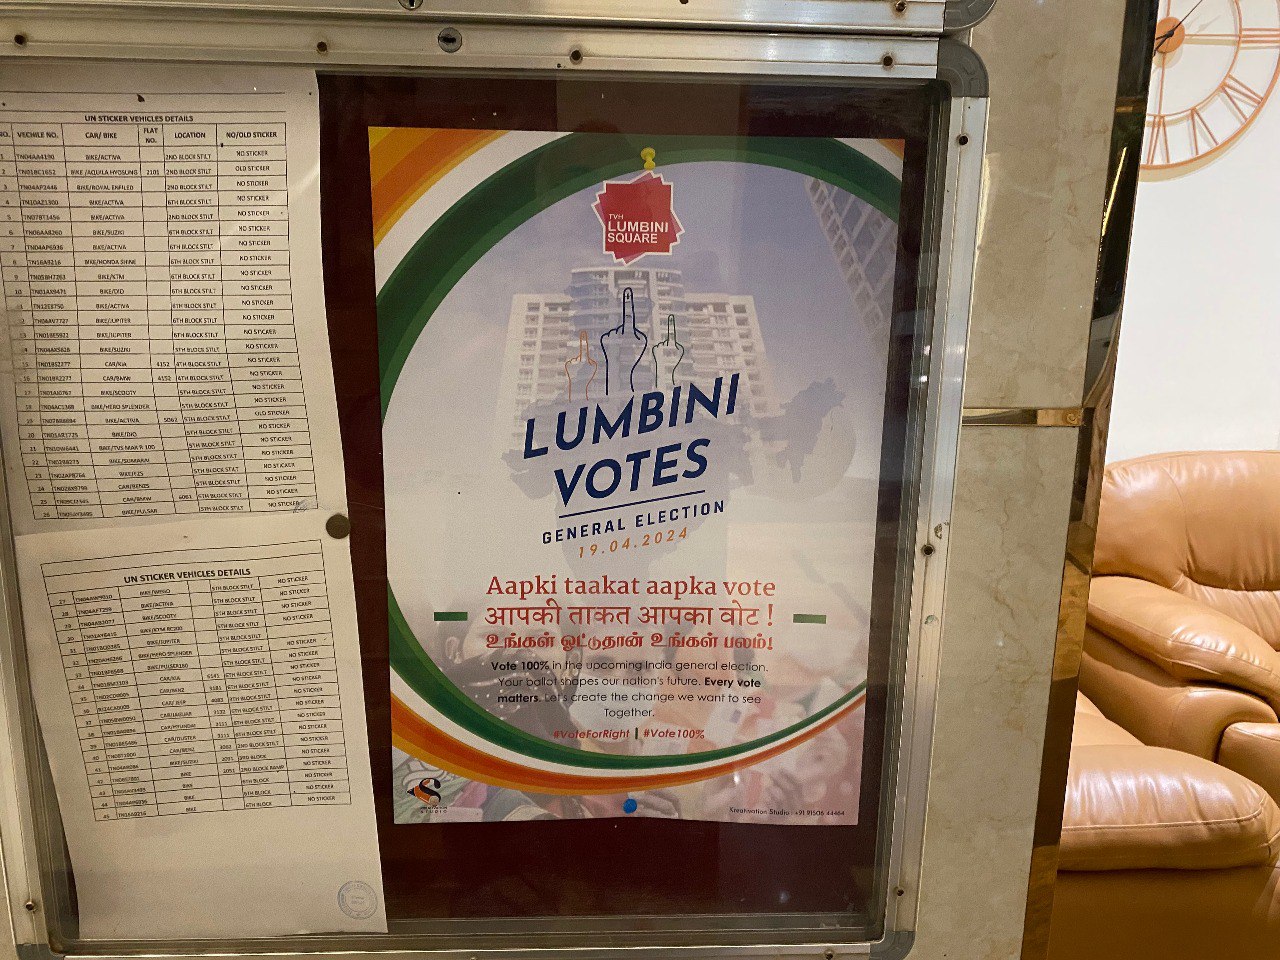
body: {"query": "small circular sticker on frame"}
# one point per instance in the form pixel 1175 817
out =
pixel 357 900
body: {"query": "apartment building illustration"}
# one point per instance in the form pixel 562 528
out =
pixel 864 242
pixel 720 334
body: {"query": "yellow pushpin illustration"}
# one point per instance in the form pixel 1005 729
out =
pixel 647 155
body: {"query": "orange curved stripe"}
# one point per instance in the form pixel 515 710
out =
pixel 405 163
pixel 415 736
pixel 425 161
pixel 389 145
pixel 897 147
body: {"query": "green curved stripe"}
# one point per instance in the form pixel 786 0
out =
pixel 542 177
pixel 411 663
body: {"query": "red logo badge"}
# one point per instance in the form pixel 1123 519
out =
pixel 638 217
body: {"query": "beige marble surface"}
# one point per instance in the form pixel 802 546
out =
pixel 1004 575
pixel 1053 67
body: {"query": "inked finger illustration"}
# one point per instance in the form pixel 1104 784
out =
pixel 667 355
pixel 623 347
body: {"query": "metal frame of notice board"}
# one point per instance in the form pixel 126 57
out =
pixel 870 42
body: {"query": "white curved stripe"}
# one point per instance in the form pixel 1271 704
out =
pixel 447 191
pixel 411 699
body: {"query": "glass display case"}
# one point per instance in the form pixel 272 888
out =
pixel 478 480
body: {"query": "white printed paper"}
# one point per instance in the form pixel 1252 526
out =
pixel 172 451
pixel 166 351
pixel 201 703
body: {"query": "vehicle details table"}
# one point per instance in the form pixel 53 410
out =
pixel 173 462
pixel 147 284
pixel 202 686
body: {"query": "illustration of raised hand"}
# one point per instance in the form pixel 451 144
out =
pixel 667 355
pixel 581 370
pixel 623 347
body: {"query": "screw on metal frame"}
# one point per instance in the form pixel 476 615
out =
pixel 450 40
pixel 928 549
pixel 887 60
pixel 20 39
pixel 575 55
pixel 411 4
pixel 30 906
pixel 963 139
pixel 900 6
pixel 338 526
pixel 322 47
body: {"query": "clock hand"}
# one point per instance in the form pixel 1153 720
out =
pixel 1184 19
pixel 1174 29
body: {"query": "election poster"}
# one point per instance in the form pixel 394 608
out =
pixel 633 394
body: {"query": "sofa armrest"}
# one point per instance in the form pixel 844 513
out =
pixel 1159 709
pixel 1253 750
pixel 1183 637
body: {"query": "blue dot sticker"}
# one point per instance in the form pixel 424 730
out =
pixel 629 805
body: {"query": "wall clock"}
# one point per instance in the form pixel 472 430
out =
pixel 1215 63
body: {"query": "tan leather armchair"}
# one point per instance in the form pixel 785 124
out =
pixel 1184 607
pixel 1163 855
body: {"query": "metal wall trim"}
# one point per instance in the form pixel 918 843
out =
pixel 1023 416
pixel 918 17
pixel 964 14
pixel 963 140
pixel 396 46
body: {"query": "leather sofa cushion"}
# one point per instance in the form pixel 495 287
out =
pixel 1187 639
pixel 1204 524
pixel 1093 729
pixel 1160 709
pixel 1130 806
pixel 1253 750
